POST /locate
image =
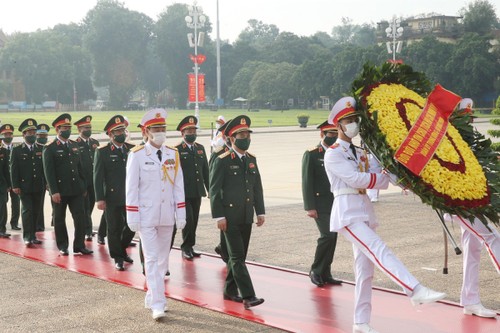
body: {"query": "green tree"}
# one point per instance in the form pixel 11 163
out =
pixel 273 83
pixel 118 40
pixel 240 85
pixel 259 35
pixel 479 17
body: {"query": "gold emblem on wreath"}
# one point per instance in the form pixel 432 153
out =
pixel 88 119
pixel 158 115
pixel 243 121
pixel 30 122
pixel 7 127
pixel 117 120
pixel 191 120
pixel 66 120
pixel 348 104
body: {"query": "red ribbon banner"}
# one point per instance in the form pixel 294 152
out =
pixel 428 131
pixel 192 87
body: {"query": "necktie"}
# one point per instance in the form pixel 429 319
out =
pixel 159 154
pixel 192 149
pixel 244 161
pixel 353 150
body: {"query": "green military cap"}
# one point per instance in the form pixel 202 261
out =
pixel 116 122
pixel 85 121
pixel 42 129
pixel 327 127
pixel 238 124
pixel 28 124
pixel 62 120
pixel 187 122
pixel 6 128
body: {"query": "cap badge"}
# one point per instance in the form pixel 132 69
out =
pixel 191 120
pixel 243 121
pixel 117 120
pixel 88 119
pixel 158 115
pixel 30 122
pixel 66 120
pixel 348 104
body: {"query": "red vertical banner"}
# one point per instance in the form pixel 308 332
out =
pixel 191 88
pixel 201 87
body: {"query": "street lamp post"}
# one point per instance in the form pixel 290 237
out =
pixel 219 102
pixel 394 31
pixel 195 20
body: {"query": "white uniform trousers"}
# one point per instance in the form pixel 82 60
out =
pixel 155 243
pixel 370 250
pixel 474 236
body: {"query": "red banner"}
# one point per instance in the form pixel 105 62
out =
pixel 199 59
pixel 428 131
pixel 192 87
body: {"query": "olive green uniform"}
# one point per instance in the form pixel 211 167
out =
pixel 195 170
pixel 109 183
pixel 235 193
pixel 15 202
pixel 64 174
pixel 26 170
pixel 4 185
pixel 317 196
pixel 87 152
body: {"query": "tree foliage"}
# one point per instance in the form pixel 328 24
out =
pixel 480 17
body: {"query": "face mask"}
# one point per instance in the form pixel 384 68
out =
pixel 7 140
pixel 30 139
pixel 158 138
pixel 329 140
pixel 217 125
pixel 120 138
pixel 219 142
pixel 41 141
pixel 65 134
pixel 87 134
pixel 242 144
pixel 351 130
pixel 190 138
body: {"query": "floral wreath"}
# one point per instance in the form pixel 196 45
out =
pixel 463 176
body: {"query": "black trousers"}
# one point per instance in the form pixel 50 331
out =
pixel 189 231
pixel 119 234
pixel 325 248
pixel 77 208
pixel 31 203
pixel 15 206
pixel 103 228
pixel 40 217
pixel 89 207
pixel 3 213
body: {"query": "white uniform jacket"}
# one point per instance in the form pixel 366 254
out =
pixel 154 190
pixel 349 178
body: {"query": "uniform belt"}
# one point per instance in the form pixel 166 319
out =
pixel 348 190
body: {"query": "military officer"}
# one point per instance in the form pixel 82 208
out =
pixel 63 172
pixel 218 140
pixel 42 133
pixel 195 169
pixel 154 203
pixel 318 201
pixel 28 181
pixel 221 248
pixel 235 193
pixel 88 146
pixel 353 217
pixel 109 180
pixel 7 130
pixel 4 189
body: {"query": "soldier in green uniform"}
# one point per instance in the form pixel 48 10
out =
pixel 28 181
pixel 7 130
pixel 235 193
pixel 221 248
pixel 64 174
pixel 4 188
pixel 318 201
pixel 109 183
pixel 87 147
pixel 42 134
pixel 195 169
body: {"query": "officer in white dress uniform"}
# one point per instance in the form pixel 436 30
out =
pixel 353 217
pixel 218 140
pixel 474 237
pixel 154 202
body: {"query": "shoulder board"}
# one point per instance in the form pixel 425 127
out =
pixel 218 149
pixel 71 141
pixel 102 147
pixel 314 148
pixel 136 148
pixel 53 142
pixel 335 145
pixel 170 147
pixel 226 154
pixel 249 154
pixel 129 145
pixel 94 140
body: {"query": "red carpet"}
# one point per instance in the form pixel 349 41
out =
pixel 292 302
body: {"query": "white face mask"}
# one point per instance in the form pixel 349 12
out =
pixel 158 138
pixel 218 142
pixel 217 125
pixel 351 130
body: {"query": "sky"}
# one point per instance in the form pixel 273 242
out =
pixel 304 18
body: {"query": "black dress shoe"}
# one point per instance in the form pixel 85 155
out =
pixel 15 228
pixel 64 252
pixel 88 238
pixel 128 259
pixel 39 229
pixel 187 255
pixel 195 254
pixel 100 240
pixel 119 266
pixel 166 274
pixel 132 244
pixel 4 235
pixel 83 251
pixel 36 241
pixel 252 301
pixel 223 256
pixel 331 280
pixel 27 243
pixel 316 279
pixel 234 298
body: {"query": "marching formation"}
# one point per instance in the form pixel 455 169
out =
pixel 153 190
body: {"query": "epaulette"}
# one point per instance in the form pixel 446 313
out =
pixel 314 148
pixel 226 154
pixel 249 154
pixel 136 148
pixel 71 141
pixel 218 149
pixel 129 145
pixel 170 147
pixel 335 145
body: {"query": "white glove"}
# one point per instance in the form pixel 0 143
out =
pixel 134 226
pixel 180 224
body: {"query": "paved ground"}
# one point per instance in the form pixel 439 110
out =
pixel 39 298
